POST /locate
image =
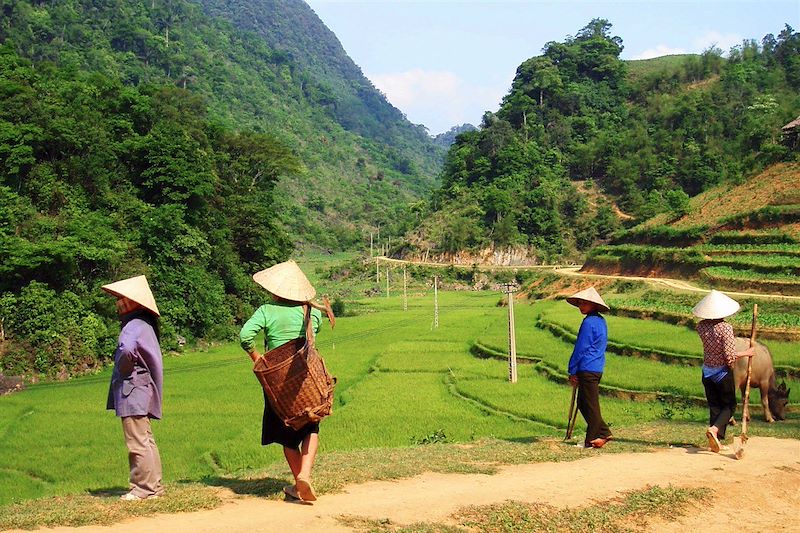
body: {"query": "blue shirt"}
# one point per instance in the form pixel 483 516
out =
pixel 589 354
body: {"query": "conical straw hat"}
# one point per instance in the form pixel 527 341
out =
pixel 715 305
pixel 286 281
pixel 589 295
pixel 136 289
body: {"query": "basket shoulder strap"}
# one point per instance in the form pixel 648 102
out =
pixel 308 324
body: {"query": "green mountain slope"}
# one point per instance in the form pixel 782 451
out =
pixel 649 135
pixel 291 26
pixel 146 137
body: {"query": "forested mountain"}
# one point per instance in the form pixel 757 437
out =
pixel 449 137
pixel 149 137
pixel 292 27
pixel 647 134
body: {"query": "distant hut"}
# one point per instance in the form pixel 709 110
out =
pixel 791 134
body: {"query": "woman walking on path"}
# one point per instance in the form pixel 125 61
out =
pixel 719 355
pixel 587 363
pixel 283 320
pixel 135 391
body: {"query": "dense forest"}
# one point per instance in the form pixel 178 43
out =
pixel 647 135
pixel 149 137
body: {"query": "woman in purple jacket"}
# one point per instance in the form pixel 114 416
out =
pixel 588 362
pixel 135 391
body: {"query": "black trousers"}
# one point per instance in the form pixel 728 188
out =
pixel 721 399
pixel 589 406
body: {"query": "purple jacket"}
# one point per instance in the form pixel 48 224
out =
pixel 138 370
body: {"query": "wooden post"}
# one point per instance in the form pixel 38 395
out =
pixel 370 245
pixel 377 273
pixel 512 340
pixel 436 301
pixel 387 281
pixel 405 289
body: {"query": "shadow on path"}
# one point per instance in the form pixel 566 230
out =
pixel 266 486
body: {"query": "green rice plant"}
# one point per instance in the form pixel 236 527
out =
pixel 677 309
pixel 728 273
pixel 392 409
pixel 661 235
pixel 401 379
pixel 758 238
pixel 768 264
pixel 536 398
pixel 632 332
pixel 742 249
pixel 649 255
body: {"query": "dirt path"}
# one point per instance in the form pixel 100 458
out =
pixel 758 492
pixel 573 270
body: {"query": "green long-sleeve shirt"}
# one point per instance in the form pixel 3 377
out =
pixel 281 322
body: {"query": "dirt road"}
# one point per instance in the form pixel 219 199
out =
pixel 758 493
pixel 573 270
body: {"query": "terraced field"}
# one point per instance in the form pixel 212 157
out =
pixel 743 237
pixel 402 383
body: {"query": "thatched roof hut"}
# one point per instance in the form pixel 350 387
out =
pixel 793 125
pixel 791 134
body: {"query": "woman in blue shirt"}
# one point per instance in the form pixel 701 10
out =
pixel 587 363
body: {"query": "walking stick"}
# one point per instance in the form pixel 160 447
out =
pixel 738 443
pixel 572 413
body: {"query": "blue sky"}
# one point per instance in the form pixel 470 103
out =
pixel 446 62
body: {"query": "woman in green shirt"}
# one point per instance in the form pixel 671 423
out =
pixel 282 320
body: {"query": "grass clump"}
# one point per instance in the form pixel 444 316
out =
pixel 629 513
pixel 103 508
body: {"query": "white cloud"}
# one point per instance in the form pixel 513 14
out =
pixel 439 99
pixel 658 51
pixel 724 41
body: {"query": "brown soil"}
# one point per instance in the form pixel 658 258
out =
pixel 775 186
pixel 758 492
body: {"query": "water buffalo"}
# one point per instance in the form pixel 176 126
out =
pixel 762 376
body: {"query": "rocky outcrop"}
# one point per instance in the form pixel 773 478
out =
pixel 509 256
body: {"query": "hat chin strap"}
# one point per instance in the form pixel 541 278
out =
pixel 326 307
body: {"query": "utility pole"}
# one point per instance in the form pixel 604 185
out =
pixel 405 290
pixel 436 301
pixel 512 340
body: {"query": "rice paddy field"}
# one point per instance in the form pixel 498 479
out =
pixel 402 382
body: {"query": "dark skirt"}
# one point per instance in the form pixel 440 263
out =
pixel 274 430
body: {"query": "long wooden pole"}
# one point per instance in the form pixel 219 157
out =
pixel 512 340
pixel 570 418
pixel 739 444
pixel 436 301
pixel 405 290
